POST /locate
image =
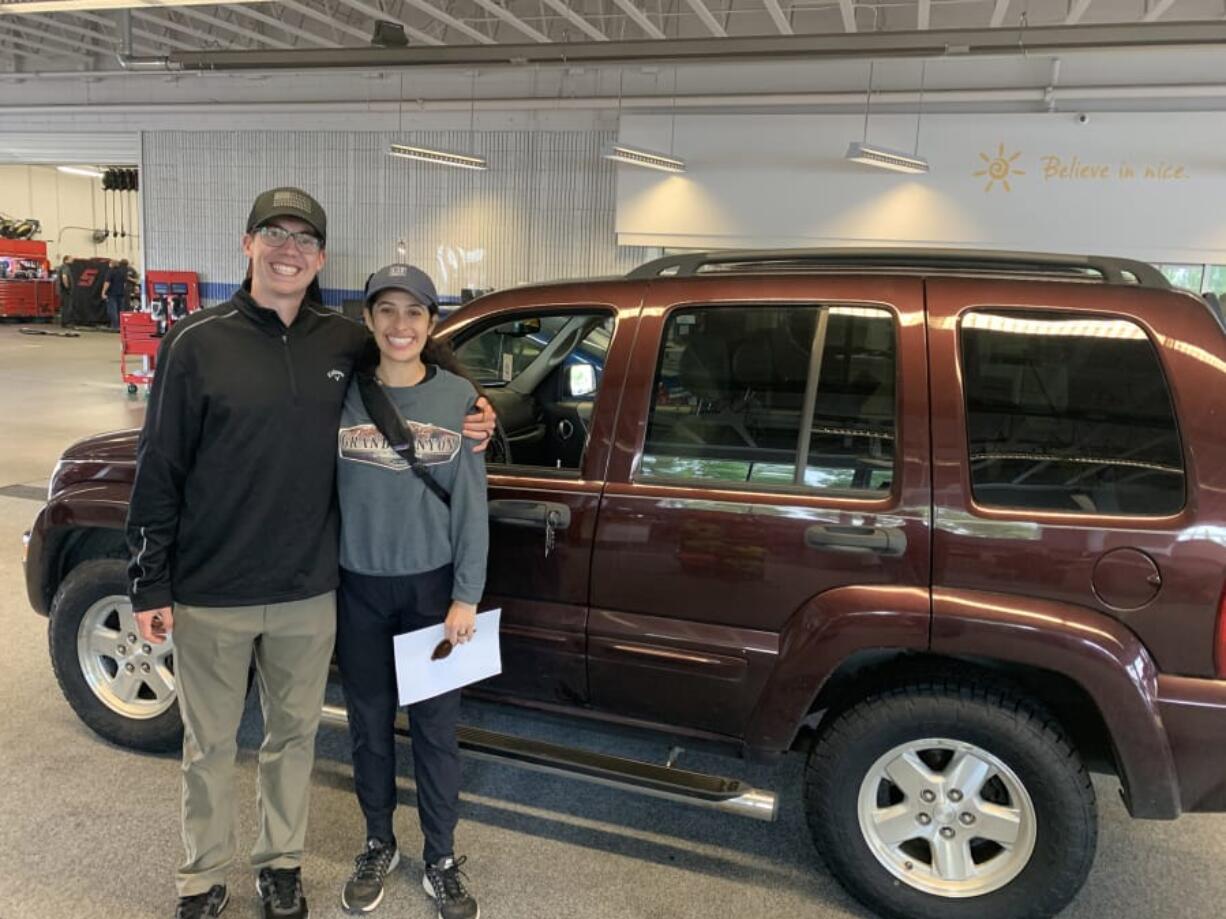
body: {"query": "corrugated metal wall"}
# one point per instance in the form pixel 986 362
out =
pixel 543 210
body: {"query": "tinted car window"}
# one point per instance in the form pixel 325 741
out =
pixel 732 388
pixel 1068 413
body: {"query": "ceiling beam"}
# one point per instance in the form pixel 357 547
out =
pixel 376 14
pixel 849 15
pixel 563 9
pixel 450 21
pixel 48 42
pixel 820 46
pixel 65 26
pixel 164 40
pixel 640 18
pixel 1158 11
pixel 496 9
pixel 781 21
pixel 331 22
pixel 998 13
pixel 40 52
pixel 923 15
pixel 235 28
pixel 1076 11
pixel 712 24
pixel 245 10
pixel 208 37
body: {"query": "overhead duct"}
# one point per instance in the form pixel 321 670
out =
pixel 923 44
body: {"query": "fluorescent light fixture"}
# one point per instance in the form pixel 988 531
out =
pixel 17 7
pixel 637 156
pixel 438 157
pixel 80 171
pixel 870 155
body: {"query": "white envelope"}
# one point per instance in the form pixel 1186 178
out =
pixel 418 677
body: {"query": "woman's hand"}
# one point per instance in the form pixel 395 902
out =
pixel 461 622
pixel 480 427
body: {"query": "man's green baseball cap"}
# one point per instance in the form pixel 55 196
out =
pixel 288 202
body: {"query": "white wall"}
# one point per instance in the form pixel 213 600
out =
pixel 69 207
pixel 1142 185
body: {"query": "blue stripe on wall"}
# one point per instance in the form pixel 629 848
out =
pixel 214 292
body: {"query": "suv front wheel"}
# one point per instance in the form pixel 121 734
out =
pixel 120 686
pixel 949 800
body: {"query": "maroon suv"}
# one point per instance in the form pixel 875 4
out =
pixel 950 524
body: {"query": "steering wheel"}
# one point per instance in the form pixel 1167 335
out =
pixel 499 450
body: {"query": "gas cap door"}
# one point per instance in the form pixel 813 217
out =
pixel 1126 579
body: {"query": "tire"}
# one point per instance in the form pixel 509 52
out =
pixel 91 652
pixel 867 786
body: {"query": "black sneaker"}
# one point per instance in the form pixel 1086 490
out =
pixel 445 883
pixel 281 891
pixel 364 889
pixel 203 905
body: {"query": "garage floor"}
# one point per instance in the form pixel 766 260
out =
pixel 88 829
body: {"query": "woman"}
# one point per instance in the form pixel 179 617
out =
pixel 413 552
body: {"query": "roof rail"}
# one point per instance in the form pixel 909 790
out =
pixel 926 261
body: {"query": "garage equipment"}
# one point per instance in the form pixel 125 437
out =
pixel 171 296
pixel 26 288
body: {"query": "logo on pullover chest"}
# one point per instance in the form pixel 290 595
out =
pixel 433 445
pixel 336 375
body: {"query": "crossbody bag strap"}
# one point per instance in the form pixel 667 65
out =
pixel 387 419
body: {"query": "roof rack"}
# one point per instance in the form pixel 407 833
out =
pixel 925 261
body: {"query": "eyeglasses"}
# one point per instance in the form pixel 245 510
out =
pixel 277 237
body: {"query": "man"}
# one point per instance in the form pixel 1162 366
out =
pixel 115 290
pixel 233 530
pixel 63 285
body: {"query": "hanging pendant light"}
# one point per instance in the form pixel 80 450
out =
pixel 863 152
pixel 631 155
pixel 442 157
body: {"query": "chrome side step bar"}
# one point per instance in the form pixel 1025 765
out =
pixel 729 795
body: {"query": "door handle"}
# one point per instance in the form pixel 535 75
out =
pixel 534 515
pixel 879 540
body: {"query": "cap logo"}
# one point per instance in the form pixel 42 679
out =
pixel 397 271
pixel 294 199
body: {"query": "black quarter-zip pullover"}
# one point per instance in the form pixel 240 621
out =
pixel 234 501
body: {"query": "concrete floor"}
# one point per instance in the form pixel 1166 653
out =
pixel 88 829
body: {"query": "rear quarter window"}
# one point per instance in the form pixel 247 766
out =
pixel 1067 412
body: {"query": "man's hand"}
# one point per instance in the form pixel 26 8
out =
pixel 480 427
pixel 461 622
pixel 155 625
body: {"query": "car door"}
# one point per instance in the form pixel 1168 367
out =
pixel 553 371
pixel 1060 467
pixel 712 535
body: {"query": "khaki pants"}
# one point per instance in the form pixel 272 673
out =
pixel 213 648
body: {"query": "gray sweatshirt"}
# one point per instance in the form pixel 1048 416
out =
pixel 391 523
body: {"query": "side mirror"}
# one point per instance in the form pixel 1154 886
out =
pixel 579 380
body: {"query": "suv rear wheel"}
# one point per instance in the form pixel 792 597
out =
pixel 120 686
pixel 952 800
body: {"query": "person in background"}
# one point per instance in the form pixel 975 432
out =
pixel 63 284
pixel 115 291
pixel 414 543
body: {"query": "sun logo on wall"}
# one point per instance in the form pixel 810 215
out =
pixel 999 168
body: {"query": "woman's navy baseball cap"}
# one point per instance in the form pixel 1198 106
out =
pixel 413 281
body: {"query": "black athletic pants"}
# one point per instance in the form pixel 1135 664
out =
pixel 370 610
